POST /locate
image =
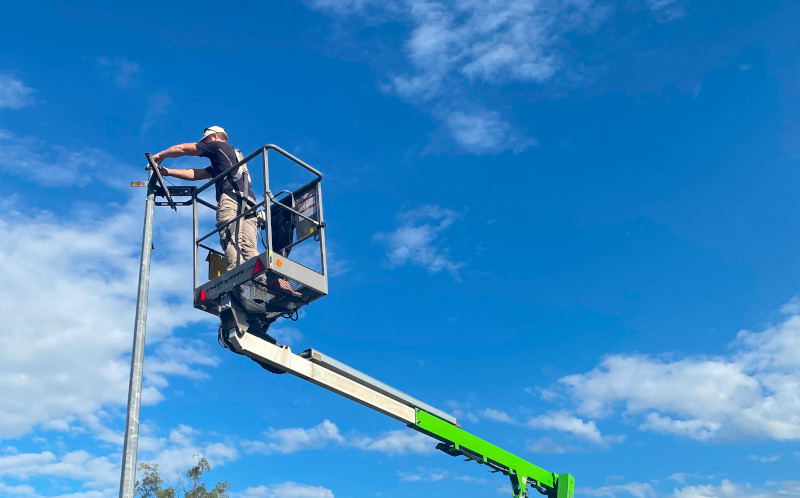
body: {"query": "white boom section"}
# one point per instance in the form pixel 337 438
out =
pixel 281 357
pixel 376 385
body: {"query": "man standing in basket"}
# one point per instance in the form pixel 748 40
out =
pixel 234 192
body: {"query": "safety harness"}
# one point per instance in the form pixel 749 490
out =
pixel 244 200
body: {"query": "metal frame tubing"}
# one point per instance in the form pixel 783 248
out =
pixel 267 203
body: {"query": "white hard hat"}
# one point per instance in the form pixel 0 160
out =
pixel 214 129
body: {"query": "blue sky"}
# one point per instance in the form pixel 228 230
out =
pixel 570 224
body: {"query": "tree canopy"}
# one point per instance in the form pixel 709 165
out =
pixel 190 485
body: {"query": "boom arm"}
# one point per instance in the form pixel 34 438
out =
pixel 350 383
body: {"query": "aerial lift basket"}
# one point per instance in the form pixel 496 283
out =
pixel 290 271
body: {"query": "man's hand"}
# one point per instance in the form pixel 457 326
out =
pixel 164 171
pixel 158 159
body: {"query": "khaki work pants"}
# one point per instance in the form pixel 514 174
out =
pixel 239 240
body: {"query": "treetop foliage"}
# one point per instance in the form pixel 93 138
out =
pixel 193 485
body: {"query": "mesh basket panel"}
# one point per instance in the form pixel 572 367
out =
pixel 262 296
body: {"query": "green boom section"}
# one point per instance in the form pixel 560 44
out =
pixel 522 473
pixel 566 486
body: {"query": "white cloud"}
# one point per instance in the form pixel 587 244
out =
pixel 680 477
pixel 423 474
pixel 173 454
pixel 20 490
pixel 286 334
pixel 470 41
pixel 547 445
pixel 504 41
pixel 399 442
pixel 792 307
pixel 170 359
pixel 764 458
pixel 497 416
pixel 416 240
pixel 180 450
pixel 728 489
pixel 341 7
pixel 452 45
pixel 14 94
pixel 464 410
pixel 461 409
pixel 455 49
pixel 752 392
pixel 287 490
pixel 485 132
pixel 562 421
pixel 667 10
pixel 57 166
pixel 700 430
pixel 79 465
pixel 70 292
pixel 643 382
pixel 636 489
pixel 290 440
pixel 27 491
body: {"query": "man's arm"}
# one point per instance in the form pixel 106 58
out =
pixel 185 174
pixel 179 150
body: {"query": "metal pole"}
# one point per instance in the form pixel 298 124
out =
pixel 128 477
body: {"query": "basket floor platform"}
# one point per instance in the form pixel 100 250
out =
pixel 269 286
